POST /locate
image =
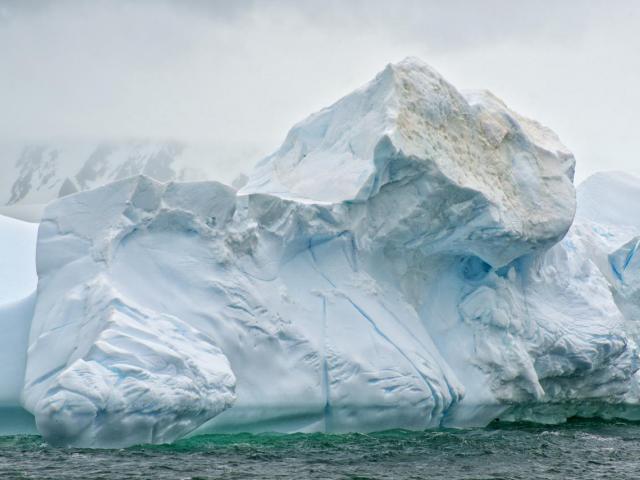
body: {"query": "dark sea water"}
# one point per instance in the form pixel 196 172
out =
pixel 580 449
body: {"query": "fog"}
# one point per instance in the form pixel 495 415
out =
pixel 241 73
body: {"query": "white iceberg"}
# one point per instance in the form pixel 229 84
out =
pixel 402 261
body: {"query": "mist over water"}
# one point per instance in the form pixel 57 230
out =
pixel 585 449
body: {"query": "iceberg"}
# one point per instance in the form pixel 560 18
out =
pixel 407 259
pixel 18 281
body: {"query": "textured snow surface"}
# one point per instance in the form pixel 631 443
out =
pixel 402 261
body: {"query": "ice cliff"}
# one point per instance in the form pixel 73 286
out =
pixel 407 259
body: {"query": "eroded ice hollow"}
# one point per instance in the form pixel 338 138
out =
pixel 402 261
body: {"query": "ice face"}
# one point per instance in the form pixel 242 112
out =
pixel 273 284
pixel 400 262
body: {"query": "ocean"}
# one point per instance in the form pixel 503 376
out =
pixel 579 449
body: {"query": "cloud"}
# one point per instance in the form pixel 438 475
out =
pixel 242 72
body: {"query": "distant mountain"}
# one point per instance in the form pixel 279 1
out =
pixel 610 198
pixel 33 174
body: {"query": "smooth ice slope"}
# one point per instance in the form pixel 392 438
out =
pixel 17 299
pixel 17 259
pixel 401 262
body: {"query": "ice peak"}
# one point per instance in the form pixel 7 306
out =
pixel 410 81
pixel 410 125
pixel 401 100
pixel 408 65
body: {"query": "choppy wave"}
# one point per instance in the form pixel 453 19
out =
pixel 582 449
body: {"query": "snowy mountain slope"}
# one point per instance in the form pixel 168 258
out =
pixel 402 261
pixel 36 173
pixel 611 198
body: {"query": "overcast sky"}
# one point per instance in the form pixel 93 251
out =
pixel 239 72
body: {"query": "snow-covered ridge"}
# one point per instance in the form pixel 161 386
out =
pixel 406 259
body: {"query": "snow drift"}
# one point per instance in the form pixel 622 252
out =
pixel 402 261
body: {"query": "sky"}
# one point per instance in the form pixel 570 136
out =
pixel 243 72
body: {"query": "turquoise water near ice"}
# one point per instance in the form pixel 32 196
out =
pixel 580 449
